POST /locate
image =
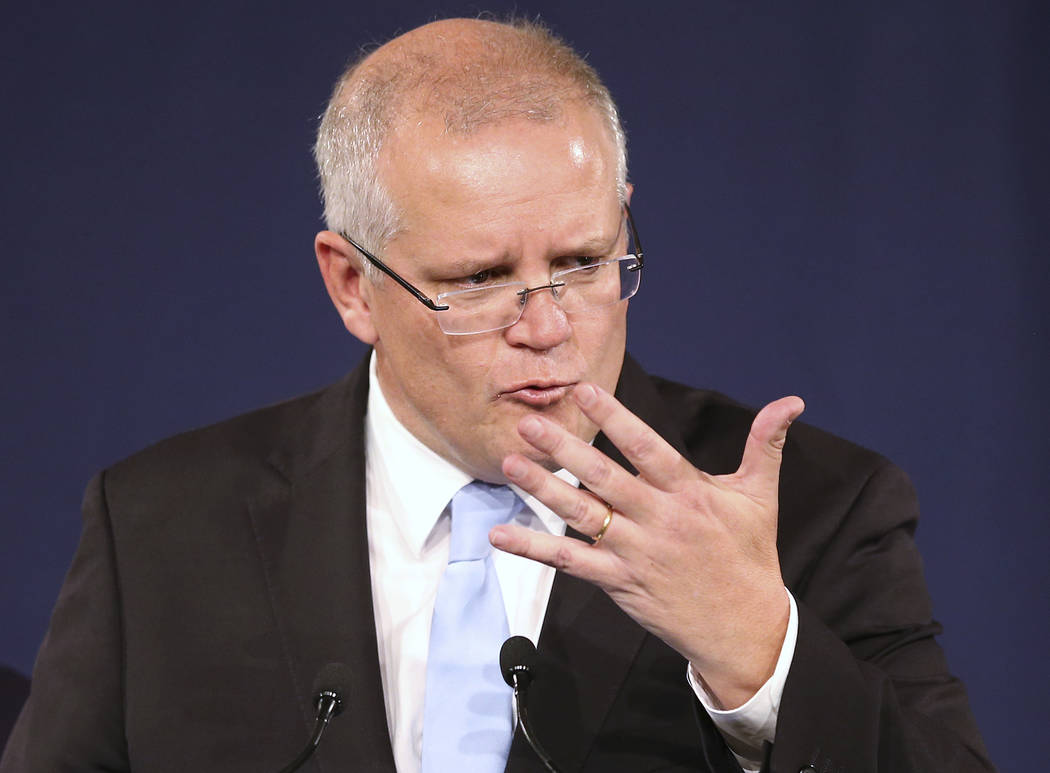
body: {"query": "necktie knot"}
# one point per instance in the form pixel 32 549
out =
pixel 476 508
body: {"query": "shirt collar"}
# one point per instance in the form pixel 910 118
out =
pixel 418 483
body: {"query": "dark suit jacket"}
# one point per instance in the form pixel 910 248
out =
pixel 13 691
pixel 221 569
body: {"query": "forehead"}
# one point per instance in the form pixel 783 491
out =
pixel 520 172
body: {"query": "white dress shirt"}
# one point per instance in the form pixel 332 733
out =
pixel 408 489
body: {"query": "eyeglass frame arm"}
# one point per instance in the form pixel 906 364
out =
pixel 638 253
pixel 395 276
pixel 422 298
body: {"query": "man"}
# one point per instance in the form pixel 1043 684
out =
pixel 480 241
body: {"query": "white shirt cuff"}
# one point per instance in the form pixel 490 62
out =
pixel 746 728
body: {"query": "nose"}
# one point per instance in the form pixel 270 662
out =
pixel 543 324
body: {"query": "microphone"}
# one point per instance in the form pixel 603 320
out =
pixel 330 686
pixel 517 657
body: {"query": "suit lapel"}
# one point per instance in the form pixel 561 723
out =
pixel 587 644
pixel 585 652
pixel 312 539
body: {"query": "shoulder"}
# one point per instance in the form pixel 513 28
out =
pixel 232 457
pixel 823 477
pixel 241 442
pixel 713 427
pixel 835 496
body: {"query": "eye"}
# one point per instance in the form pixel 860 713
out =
pixel 479 278
pixel 576 261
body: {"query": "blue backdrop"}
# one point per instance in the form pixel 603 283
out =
pixel 841 200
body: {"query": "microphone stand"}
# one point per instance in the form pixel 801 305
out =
pixel 327 705
pixel 521 713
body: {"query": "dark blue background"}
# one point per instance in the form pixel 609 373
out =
pixel 846 201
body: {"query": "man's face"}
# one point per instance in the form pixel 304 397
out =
pixel 523 199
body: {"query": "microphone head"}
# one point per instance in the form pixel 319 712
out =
pixel 517 657
pixel 333 680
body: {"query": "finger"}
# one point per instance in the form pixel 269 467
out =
pixel 580 509
pixel 594 469
pixel 563 553
pixel 765 443
pixel 655 459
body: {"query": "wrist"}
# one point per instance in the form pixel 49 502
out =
pixel 750 658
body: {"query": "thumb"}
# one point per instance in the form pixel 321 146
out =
pixel 765 442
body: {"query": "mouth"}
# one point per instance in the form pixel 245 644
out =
pixel 537 395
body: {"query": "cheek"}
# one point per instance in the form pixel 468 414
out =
pixel 603 341
pixel 460 367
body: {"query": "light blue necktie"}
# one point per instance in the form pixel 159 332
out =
pixel 467 723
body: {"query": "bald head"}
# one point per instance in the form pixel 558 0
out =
pixel 461 74
pixel 470 73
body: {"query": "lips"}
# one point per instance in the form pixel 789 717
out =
pixel 537 395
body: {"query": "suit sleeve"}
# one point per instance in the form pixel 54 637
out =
pixel 74 717
pixel 869 690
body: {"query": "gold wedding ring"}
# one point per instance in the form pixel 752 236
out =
pixel 605 526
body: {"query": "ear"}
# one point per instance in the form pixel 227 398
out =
pixel 629 191
pixel 349 290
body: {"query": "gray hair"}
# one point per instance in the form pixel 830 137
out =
pixel 518 69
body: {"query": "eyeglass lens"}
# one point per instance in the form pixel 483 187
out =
pixel 480 310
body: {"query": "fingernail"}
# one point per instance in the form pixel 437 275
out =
pixel 497 538
pixel 585 395
pixel 514 467
pixel 530 427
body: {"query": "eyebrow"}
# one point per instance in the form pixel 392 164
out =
pixel 595 245
pixel 592 245
pixel 600 244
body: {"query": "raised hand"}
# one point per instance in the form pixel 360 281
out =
pixel 690 556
